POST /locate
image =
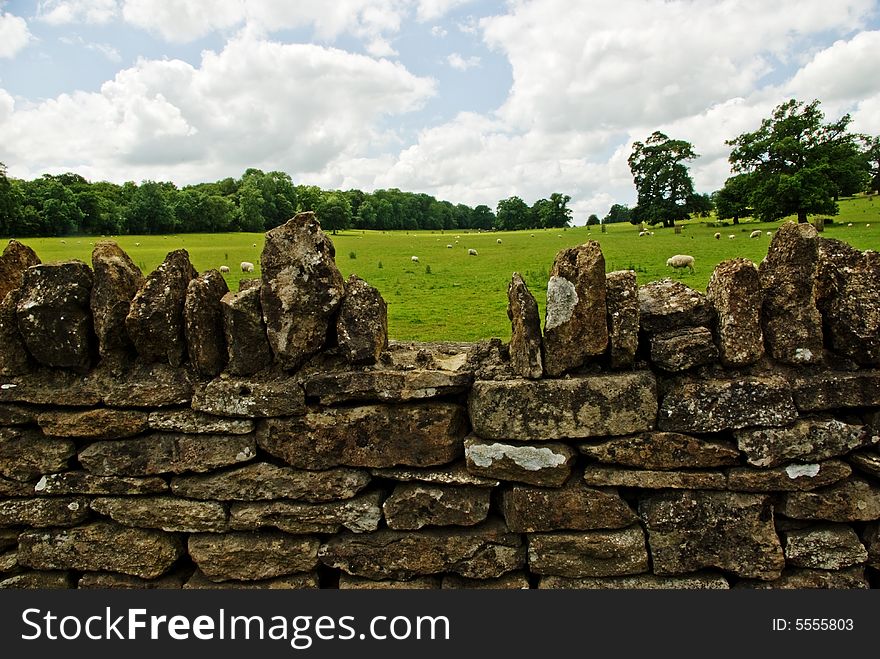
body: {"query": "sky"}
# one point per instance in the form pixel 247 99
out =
pixel 470 101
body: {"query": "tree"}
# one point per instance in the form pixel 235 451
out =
pixel 334 211
pixel 663 184
pixel 618 213
pixel 799 165
pixel 872 155
pixel 558 214
pixel 9 204
pixel 733 200
pixel 149 209
pixel 701 204
pixel 482 217
pixel 512 214
pixel 593 220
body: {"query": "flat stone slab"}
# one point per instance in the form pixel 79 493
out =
pixel 607 476
pixel 300 581
pixel 824 547
pixel 546 464
pixel 100 423
pixel 837 390
pixel 17 415
pixel 854 500
pixel 868 462
pixel 144 385
pixel 164 512
pixel 82 482
pixel 27 454
pixel 669 305
pixel 697 581
pixel 41 386
pixel 39 580
pixel 111 581
pixel 252 556
pixel 661 450
pixel 197 423
pixel 806 440
pixel 509 581
pixel 412 506
pixel 681 349
pixel 247 398
pixel 575 507
pixel 359 515
pixel 589 553
pixel 451 474
pixel 383 386
pixel 795 477
pixel 799 579
pixel 43 512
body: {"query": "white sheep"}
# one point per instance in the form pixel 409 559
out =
pixel 717 236
pixel 247 266
pixel 498 241
pixel 731 236
pixel 224 269
pixel 472 252
pixel 681 261
pixel 415 259
pixel 849 225
pixel 642 233
pixel 255 244
pixel 449 247
pixel 769 233
pixel 755 234
pixel 137 244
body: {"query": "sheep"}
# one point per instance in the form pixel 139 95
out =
pixel 849 225
pixel 472 252
pixel 247 266
pixel 449 247
pixel 681 261
pixel 498 241
pixel 415 259
pixel 532 235
pixel 731 236
pixel 255 244
pixel 642 233
pixel 769 233
pixel 755 234
pixel 137 244
pixel 224 269
pixel 717 236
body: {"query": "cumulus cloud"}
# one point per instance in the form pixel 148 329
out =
pixel 460 63
pixel 14 35
pixel 60 12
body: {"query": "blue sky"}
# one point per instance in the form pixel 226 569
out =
pixel 469 101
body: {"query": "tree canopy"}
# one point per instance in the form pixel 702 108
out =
pixel 663 185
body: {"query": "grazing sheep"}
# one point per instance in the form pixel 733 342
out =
pixel 247 266
pixel 849 225
pixel 731 236
pixel 224 269
pixel 533 235
pixel 472 252
pixel 642 233
pixel 255 244
pixel 498 241
pixel 755 234
pixel 449 247
pixel 681 261
pixel 415 259
pixel 717 236
pixel 769 233
pixel 137 244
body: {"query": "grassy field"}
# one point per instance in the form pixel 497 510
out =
pixel 451 296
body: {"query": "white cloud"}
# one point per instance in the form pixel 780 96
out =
pixel 14 35
pixel 845 70
pixel 429 10
pixel 182 20
pixel 460 63
pixel 104 49
pixel 439 31
pixel 60 12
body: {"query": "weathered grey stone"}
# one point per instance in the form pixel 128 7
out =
pixel 261 481
pixel 142 385
pixel 807 440
pixel 824 547
pixel 575 327
pixel 16 258
pixel 41 386
pixel 589 553
pixel 697 581
pixel 868 462
pixel 111 581
pixel 101 546
pixel 82 482
pixel 27 454
pixel 713 405
pixel 669 304
pixel 203 323
pixel 14 357
pixel 575 407
pixel 837 259
pixel 191 422
pixel 251 398
pixel 163 512
pixel 17 415
pixel 43 512
pixel 486 551
pixel 509 581
pixel 54 316
pixel 870 539
pixel 39 580
pixel 835 390
pixel 362 323
pixel 248 284
pixel 799 579
pixel 8 562
pixel 348 582
pixel 608 476
pixel 359 515
pixel 369 436
pixel 302 288
pixel 691 530
pixel 386 386
pixel 117 281
pixel 253 556
pixel 622 299
pixel 11 488
pixel 245 332
pixel 793 478
pixel 548 464
pixel 301 581
pixel 681 349
pixel 791 322
pixel 450 474
pixel 155 317
pixel 662 450
pixel 854 500
pixel 93 424
pixel 736 297
pixel 166 453
pixel 575 507
pixel 525 323
pixel 412 506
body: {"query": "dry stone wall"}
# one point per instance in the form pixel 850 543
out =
pixel 163 432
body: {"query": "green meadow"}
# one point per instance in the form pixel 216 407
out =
pixel 451 296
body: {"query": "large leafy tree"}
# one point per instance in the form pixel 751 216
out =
pixel 663 184
pixel 733 200
pixel 618 213
pixel 512 214
pixel 797 163
pixel 334 211
pixel 9 204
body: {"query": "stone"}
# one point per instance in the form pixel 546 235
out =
pixel 11 488
pixel 697 581
pixel 110 581
pixel 854 500
pixel 101 546
pixel 681 349
pixel 455 473
pixel 17 415
pixel 163 512
pixel 27 454
pixel 348 582
pixel 608 476
pixel 16 258
pixel 93 424
pixel 82 482
pixel 251 398
pixel 166 453
pixel 548 464
pixel 669 304
pixel 386 386
pixel 575 327
pixel 362 323
pixel 574 507
pixel 800 579
pixel 712 405
pixel 833 390
pixel 116 281
pixel 412 506
pixel 870 539
pixel 14 356
pixel 525 325
pixel 692 530
pixel 509 581
pixel 248 284
pixel 191 422
pixel 792 478
pixel 836 260
pixel 589 553
pixel 661 450
pixel 359 515
pixel 369 436
pixel 301 581
pixel 43 512
pixel 8 562
pixel 824 547
pixel 245 332
pixel 155 317
pixel 39 580
pixel 53 314
pixel 576 407
pixel 622 300
pixel 8 538
pixel 302 288
pixel 203 324
pixel 252 556
pixel 806 440
pixel 735 295
pixel 143 385
pixel 791 322
pixel 260 481
pixel 868 462
pixel 485 551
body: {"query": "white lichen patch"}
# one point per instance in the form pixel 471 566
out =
pixel 530 458
pixel 562 298
pixel 41 484
pixel 798 471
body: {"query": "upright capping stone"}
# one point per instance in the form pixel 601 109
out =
pixel 622 299
pixel 155 319
pixel 669 304
pixel 117 281
pixel 54 316
pixel 16 258
pixel 791 322
pixel 575 327
pixel 302 287
pixel 362 323
pixel 734 291
pixel 246 342
pixel 525 323
pixel 14 357
pixel 203 323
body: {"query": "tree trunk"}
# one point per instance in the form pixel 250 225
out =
pixel 736 219
pixel 668 223
pixel 802 217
